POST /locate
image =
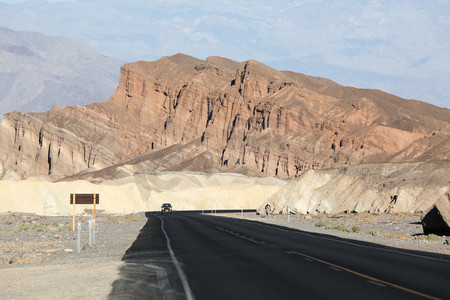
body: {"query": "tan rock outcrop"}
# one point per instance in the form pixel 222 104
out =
pixel 376 188
pixel 181 113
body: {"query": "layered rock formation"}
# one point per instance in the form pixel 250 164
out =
pixel 218 115
pixel 377 188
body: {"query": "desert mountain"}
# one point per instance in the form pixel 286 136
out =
pixel 218 115
pixel 39 71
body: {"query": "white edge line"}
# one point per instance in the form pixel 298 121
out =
pixel 293 230
pixel 183 278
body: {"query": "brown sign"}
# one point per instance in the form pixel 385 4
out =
pixel 85 198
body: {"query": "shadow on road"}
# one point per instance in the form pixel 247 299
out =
pixel 148 271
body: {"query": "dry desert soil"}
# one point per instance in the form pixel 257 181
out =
pixel 39 258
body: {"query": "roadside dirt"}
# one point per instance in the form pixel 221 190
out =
pixel 39 258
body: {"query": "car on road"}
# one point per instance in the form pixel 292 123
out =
pixel 166 208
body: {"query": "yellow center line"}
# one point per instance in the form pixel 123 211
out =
pixel 371 279
pixel 236 234
pixel 374 280
pixel 376 283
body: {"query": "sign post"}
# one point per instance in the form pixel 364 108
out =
pixel 73 219
pixel 95 224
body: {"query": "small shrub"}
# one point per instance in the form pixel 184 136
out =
pixel 430 238
pixel 434 238
pixel 320 223
pixel 35 227
pixel 65 227
pixel 421 237
pixel 397 235
pixel 343 228
pixel 373 232
pixel 39 227
pixel 331 225
pixel 356 228
pixel 22 227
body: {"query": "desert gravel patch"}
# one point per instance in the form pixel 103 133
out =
pixel 40 261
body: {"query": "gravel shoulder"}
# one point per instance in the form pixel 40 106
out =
pixel 42 262
pixel 402 231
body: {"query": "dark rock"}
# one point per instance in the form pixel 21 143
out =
pixel 437 218
pixel 17 257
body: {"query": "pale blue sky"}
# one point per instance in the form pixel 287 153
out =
pixel 402 46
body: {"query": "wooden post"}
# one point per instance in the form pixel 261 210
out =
pixel 95 224
pixel 73 218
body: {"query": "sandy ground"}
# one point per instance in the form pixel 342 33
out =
pixel 45 264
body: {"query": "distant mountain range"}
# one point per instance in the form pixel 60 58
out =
pixel 180 113
pixel 400 47
pixel 39 71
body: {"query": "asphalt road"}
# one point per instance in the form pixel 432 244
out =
pixel 195 256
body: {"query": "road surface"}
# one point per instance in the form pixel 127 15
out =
pixel 195 256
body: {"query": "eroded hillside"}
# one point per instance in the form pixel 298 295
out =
pixel 181 113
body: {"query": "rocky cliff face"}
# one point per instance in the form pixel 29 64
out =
pixel 181 113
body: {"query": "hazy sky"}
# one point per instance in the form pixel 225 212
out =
pixel 402 46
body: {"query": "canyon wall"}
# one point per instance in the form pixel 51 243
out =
pixel 181 113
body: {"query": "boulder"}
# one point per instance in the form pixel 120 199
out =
pixel 437 218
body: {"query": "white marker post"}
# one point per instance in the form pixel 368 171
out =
pixel 90 232
pixel 93 235
pixel 73 216
pixel 79 237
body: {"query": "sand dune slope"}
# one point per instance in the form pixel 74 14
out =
pixel 143 192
